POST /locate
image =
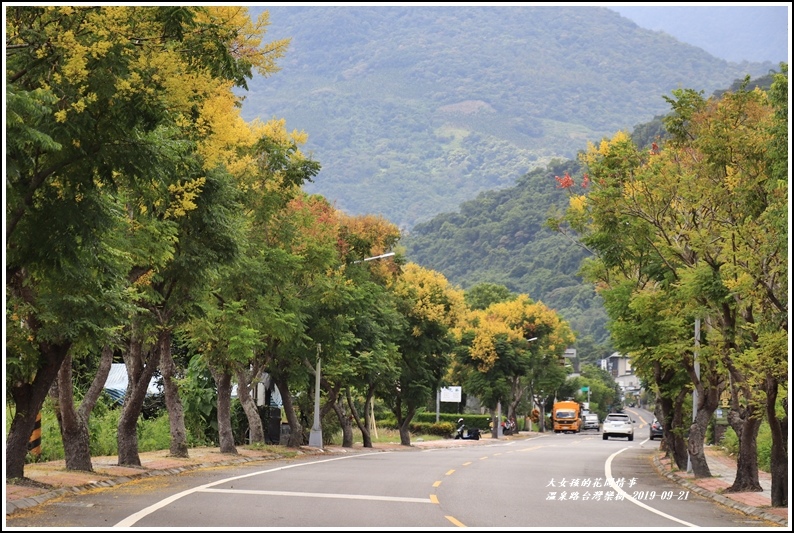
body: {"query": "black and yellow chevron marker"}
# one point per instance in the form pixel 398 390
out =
pixel 34 444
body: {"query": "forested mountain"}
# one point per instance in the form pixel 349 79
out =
pixel 412 110
pixel 500 237
pixel 752 32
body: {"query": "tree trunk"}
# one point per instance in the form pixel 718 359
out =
pixel 405 433
pixel 256 433
pixel 74 429
pixel 363 425
pixel 346 421
pixel 677 442
pixel 296 430
pixel 746 428
pixel 139 371
pixel 224 382
pixel 671 416
pixel 779 456
pixel 73 423
pixel 405 427
pixel 28 399
pixel 708 400
pixel 176 414
pixel 517 395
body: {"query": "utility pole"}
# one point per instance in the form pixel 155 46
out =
pixel 694 390
pixel 316 435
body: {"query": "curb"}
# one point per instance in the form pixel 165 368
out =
pixel 728 502
pixel 32 501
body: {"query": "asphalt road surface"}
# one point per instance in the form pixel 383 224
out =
pixel 552 481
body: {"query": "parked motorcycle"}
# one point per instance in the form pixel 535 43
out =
pixel 509 427
pixel 468 434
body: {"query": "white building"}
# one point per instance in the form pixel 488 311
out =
pixel 620 367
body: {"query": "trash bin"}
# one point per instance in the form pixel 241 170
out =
pixel 273 435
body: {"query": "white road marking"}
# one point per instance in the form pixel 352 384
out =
pixel 133 518
pixel 608 474
pixel 320 495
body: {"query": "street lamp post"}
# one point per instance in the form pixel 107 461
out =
pixel 531 398
pixel 381 256
pixel 316 434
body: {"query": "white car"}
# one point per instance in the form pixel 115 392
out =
pixel 618 425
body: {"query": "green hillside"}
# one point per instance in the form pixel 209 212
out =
pixel 500 237
pixel 413 110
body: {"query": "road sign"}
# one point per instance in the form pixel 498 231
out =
pixel 450 394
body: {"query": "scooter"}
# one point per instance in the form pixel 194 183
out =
pixel 470 434
pixel 509 427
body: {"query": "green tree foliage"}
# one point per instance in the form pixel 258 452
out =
pixel 502 238
pixel 431 307
pixel 114 108
pixel 507 349
pixel 484 294
pixel 690 230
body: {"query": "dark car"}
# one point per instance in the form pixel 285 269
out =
pixel 656 430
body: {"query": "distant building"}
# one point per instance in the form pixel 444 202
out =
pixel 620 367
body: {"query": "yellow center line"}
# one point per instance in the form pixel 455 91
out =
pixel 467 464
pixel 450 473
pixel 433 499
pixel 483 458
pixel 436 484
pixel 452 519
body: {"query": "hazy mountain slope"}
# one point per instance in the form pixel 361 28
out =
pixel 499 237
pixel 413 110
pixel 735 33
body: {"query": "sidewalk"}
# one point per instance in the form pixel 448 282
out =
pixel 723 472
pixel 44 481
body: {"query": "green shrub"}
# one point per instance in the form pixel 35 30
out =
pixel 729 441
pixel 154 434
pixel 471 421
pixel 104 429
pixel 439 429
pixel 764 444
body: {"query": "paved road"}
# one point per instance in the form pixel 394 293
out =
pixel 489 486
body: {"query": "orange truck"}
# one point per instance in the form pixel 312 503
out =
pixel 567 416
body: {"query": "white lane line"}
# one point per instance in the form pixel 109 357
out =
pixel 133 518
pixel 320 495
pixel 608 474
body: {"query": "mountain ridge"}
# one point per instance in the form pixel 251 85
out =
pixel 412 111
